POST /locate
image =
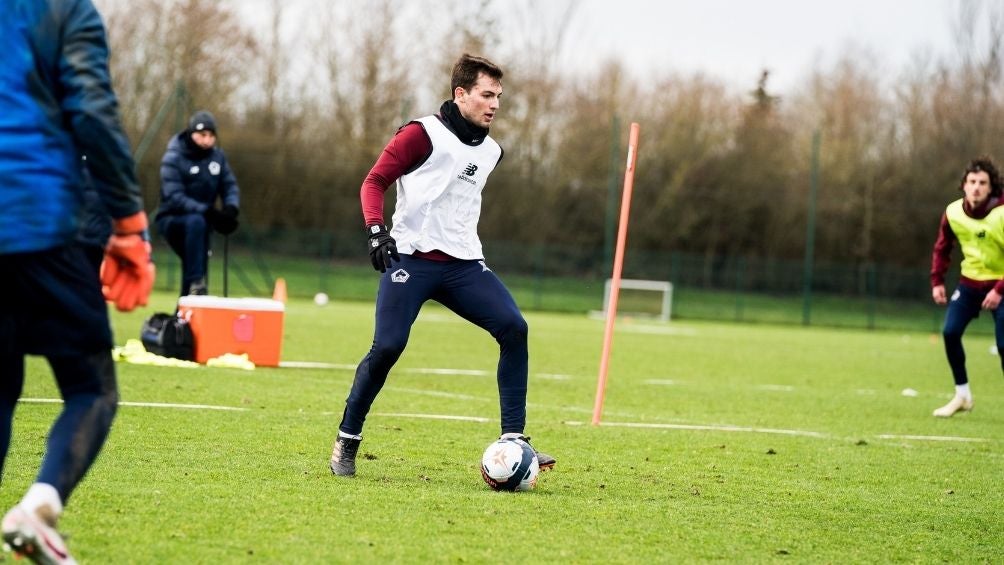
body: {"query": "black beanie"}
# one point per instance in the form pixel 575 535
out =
pixel 201 121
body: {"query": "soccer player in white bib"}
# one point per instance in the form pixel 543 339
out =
pixel 975 223
pixel 440 164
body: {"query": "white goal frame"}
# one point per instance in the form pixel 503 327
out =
pixel 665 287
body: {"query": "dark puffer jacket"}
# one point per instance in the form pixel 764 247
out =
pixel 191 178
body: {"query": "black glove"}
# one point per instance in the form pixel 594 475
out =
pixel 223 221
pixel 383 248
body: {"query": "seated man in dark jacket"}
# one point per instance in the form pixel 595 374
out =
pixel 193 174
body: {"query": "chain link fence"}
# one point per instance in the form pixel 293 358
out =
pixel 571 279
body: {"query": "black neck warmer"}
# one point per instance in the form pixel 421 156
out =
pixel 467 132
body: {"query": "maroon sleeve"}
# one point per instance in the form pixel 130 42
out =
pixel 405 152
pixel 942 255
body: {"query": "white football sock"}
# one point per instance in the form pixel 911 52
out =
pixel 963 391
pixel 350 436
pixel 40 494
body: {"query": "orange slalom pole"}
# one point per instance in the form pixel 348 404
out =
pixel 615 280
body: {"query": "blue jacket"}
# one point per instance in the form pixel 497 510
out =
pixel 192 178
pixel 95 223
pixel 57 104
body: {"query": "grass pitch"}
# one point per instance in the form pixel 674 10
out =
pixel 741 443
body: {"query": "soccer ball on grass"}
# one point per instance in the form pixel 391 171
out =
pixel 510 464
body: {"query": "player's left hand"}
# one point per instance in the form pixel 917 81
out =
pixel 127 273
pixel 992 300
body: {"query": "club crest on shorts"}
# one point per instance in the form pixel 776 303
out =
pixel 400 276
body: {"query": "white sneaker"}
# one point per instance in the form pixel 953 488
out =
pixel 959 403
pixel 33 535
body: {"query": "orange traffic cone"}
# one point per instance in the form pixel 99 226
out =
pixel 280 290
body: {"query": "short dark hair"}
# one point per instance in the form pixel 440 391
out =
pixel 467 69
pixel 984 164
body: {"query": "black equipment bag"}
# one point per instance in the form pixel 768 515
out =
pixel 168 335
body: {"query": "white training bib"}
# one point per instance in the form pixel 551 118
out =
pixel 439 203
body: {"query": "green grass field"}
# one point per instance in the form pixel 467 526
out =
pixel 737 443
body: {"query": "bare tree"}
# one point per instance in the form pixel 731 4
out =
pixel 847 105
pixel 198 47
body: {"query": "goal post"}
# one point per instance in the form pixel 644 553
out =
pixel 632 304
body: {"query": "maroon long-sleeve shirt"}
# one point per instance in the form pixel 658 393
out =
pixel 405 152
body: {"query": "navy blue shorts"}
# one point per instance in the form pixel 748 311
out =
pixel 51 304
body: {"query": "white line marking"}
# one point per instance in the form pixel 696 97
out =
pixel 434 417
pixel 433 393
pixel 803 433
pixel 469 372
pixel 935 438
pixel 182 406
pixel 419 370
pixel 143 404
pixel 696 427
pixel 315 365
pixel 709 428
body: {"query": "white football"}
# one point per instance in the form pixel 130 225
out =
pixel 510 464
pixel 320 299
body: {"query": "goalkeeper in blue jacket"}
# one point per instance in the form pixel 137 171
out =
pixel 58 106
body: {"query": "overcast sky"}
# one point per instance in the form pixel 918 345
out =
pixel 729 39
pixel 735 39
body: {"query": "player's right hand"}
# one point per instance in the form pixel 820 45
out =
pixel 382 246
pixel 127 272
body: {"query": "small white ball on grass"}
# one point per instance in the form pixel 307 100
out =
pixel 320 299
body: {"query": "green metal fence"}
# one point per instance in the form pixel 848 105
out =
pixel 571 279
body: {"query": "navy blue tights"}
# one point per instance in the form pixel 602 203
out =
pixel 471 290
pixel 964 307
pixel 90 398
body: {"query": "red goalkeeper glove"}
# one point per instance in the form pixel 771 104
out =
pixel 127 273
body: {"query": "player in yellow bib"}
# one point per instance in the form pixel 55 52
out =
pixel 976 223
